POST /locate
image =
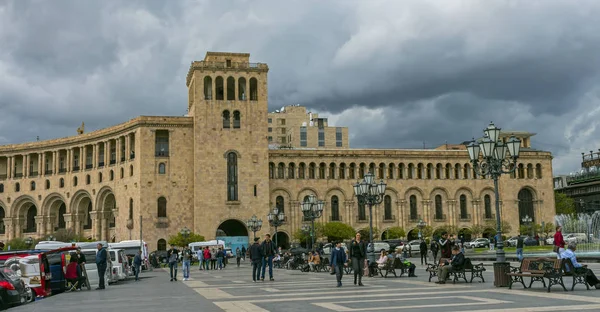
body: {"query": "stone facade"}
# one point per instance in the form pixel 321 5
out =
pixel 213 169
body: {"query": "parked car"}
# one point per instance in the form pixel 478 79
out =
pixel 478 243
pixel 92 271
pixel 12 289
pixel 414 245
pixel 576 238
pixel 394 243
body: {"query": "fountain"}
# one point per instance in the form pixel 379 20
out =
pixel 588 224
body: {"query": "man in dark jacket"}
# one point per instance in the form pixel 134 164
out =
pixel 269 251
pixel 172 257
pixel 137 264
pixel 434 250
pixel 338 260
pixel 445 245
pixel 256 256
pixel 101 265
pixel 456 263
pixel 358 253
pixel 423 251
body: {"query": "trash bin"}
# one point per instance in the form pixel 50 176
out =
pixel 500 271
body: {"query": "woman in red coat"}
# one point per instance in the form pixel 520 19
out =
pixel 559 242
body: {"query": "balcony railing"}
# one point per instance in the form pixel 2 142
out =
pixel 18 175
pixel 390 218
pixel 48 172
pixel 122 158
pixel 100 164
pixel 364 219
pixel 439 218
pixel 335 218
pixel 62 170
pixel 489 216
pixel 33 174
pixel 89 166
pixel 75 168
pixel 113 161
pixel 466 217
pixel 132 155
pixel 162 154
pixel 162 223
pixel 583 177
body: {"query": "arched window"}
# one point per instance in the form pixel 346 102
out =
pixel 30 225
pixel 331 171
pixel 391 170
pixel 271 170
pixel 529 171
pixel 230 89
pixel 342 171
pixel 362 212
pixel 61 216
pixel 279 203
pixel 457 171
pixel 322 171
pixel 162 168
pixel 1 188
pixel 207 88
pixel 381 171
pixel 448 171
pixel 122 173
pixel 253 89
pixel 301 171
pixel 467 172
pixel 88 220
pixel 372 169
pixel 439 208
pixel 226 119
pixel 111 175
pixel 242 89
pixel 361 170
pixel 131 170
pixel 88 179
pixel 525 198
pixel 131 209
pixel 387 208
pixel 352 171
pixel 521 170
pixel 32 184
pixel 538 171
pixel 47 184
pixel 311 170
pixel 291 170
pixel 420 169
pixel 411 171
pixel 401 168
pixel 161 244
pixel 232 184
pixel 439 171
pixel 61 183
pixel 335 208
pixel 99 177
pixel 75 181
pixel 414 214
pixel 219 88
pixel 236 119
pixel 162 207
pixel 463 207
pixel 281 171
pixel 17 187
pixel 487 204
pixel 429 171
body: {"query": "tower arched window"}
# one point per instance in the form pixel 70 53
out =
pixel 387 208
pixel 99 177
pixel 131 209
pixel 111 175
pixel 207 88
pixel 230 89
pixel 463 207
pixel 335 208
pixel 242 94
pixel 162 207
pixel 219 89
pixel 32 185
pixel 236 119
pixel 47 184
pixel 232 178
pixel 122 173
pixel 131 170
pixel 414 215
pixel 75 181
pixel 226 119
pixel 162 168
pixel 161 244
pixel 279 203
pixel 280 171
pixel 253 89
pixel 61 183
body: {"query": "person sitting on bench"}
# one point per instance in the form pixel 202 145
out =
pixel 456 263
pixel 590 277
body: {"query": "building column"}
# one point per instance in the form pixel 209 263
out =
pixel 426 212
pixel 40 226
pixel 476 211
pixel 451 211
pixel 8 228
pixel 400 204
pixel 42 164
pixel 69 159
pixel 127 148
pixel 94 158
pixel 106 153
pixel 25 166
pixel 9 168
pixel 104 228
pixel 51 222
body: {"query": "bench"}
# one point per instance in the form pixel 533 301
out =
pixel 389 267
pixel 475 270
pixel 537 270
pixel 578 277
pixel 432 268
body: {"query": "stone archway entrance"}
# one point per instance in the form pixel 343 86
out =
pixel 466 234
pixel 283 240
pixel 82 211
pixel 412 235
pixel 234 233
pixel 54 208
pixel 489 233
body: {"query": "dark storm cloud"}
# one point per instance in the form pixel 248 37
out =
pixel 399 73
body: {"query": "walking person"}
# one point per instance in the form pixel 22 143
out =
pixel 206 257
pixel 520 247
pixel 172 256
pixel 238 256
pixel 256 256
pixel 423 251
pixel 434 250
pixel 186 257
pixel 559 242
pixel 338 261
pixel 101 265
pixel 220 256
pixel 200 255
pixel 269 251
pixel 244 253
pixel 358 252
pixel 137 264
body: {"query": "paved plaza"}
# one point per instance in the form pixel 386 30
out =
pixel 231 289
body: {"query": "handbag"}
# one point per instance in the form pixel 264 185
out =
pixel 555 249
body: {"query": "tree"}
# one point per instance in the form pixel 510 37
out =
pixel 364 233
pixel 547 229
pixel 395 232
pixel 337 231
pixel 304 237
pixel 179 240
pixel 563 204
pixel 477 230
pixel 504 225
pixel 427 231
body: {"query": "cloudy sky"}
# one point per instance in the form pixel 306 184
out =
pixel 400 73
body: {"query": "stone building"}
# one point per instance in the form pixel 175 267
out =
pixel 584 185
pixel 215 168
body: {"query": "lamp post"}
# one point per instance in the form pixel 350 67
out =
pixel 306 229
pixel 51 238
pixel 276 218
pixel 495 162
pixel 370 193
pixel 185 232
pixel 29 241
pixel 527 221
pixel 254 224
pixel 421 225
pixel 312 210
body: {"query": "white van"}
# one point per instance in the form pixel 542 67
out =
pixel 92 271
pixel 131 247
pixel 120 265
pixel 51 245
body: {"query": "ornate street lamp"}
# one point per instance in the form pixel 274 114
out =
pixel 29 242
pixel 276 218
pixel 421 225
pixel 254 224
pixel 370 193
pixel 495 162
pixel 312 210
pixel 51 238
pixel 185 232
pixel 527 221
